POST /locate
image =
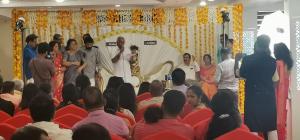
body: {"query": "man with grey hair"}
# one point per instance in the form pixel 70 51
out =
pixel 121 60
pixel 156 90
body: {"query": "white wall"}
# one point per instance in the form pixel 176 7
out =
pixel 6 54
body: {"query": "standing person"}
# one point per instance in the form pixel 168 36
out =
pixel 121 59
pixel 28 54
pixel 59 39
pixel 190 67
pixel 73 61
pixel 134 62
pixel 259 70
pixel 284 65
pixel 42 69
pixel 58 77
pixel 92 59
pixel 223 37
pixel 225 76
pixel 207 75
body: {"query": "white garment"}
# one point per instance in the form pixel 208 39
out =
pixel 155 100
pixel 183 88
pixel 30 81
pixel 190 70
pixel 92 81
pixel 225 76
pixel 53 130
pixel 122 66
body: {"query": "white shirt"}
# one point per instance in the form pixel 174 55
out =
pixel 152 101
pixel 225 75
pixel 183 88
pixel 122 66
pixel 53 130
pixel 190 70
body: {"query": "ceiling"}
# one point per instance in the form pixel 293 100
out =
pixel 124 3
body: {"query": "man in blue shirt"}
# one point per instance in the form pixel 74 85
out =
pixel 28 54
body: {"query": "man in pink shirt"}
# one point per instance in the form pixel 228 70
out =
pixel 171 107
pixel 94 103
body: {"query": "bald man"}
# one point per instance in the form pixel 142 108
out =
pixel 156 90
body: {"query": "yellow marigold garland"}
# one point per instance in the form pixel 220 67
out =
pixel 112 17
pixel 136 17
pixel 158 15
pixel 186 37
pixel 41 19
pixel 64 19
pixel 89 18
pixel 181 17
pixel 202 15
pixel 219 14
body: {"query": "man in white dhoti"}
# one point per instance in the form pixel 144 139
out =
pixel 120 60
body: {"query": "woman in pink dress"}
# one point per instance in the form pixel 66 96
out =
pixel 59 70
pixel 284 65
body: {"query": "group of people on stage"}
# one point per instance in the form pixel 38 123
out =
pixel 67 74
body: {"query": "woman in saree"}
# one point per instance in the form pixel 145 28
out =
pixel 59 70
pixel 284 65
pixel 207 75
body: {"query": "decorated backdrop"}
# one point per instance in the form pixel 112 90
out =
pixel 185 29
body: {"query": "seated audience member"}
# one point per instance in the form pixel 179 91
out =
pixel 7 93
pixel 144 88
pixel 29 92
pixel 94 103
pixel 30 133
pixel 42 69
pixel 156 90
pixel 226 116
pixel 82 82
pixel 19 85
pixel 46 88
pixel 166 120
pixel 196 100
pixel 190 68
pixel 42 112
pixel 178 80
pixel 7 106
pixel 112 101
pixel 127 99
pixel 70 96
pixel 91 131
pixel 114 82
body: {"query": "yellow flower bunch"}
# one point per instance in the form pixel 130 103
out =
pixel 202 15
pixel 136 17
pixel 181 17
pixel 64 18
pixel 89 17
pixel 112 17
pixel 158 16
pixel 42 19
pixel 219 14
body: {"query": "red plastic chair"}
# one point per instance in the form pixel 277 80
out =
pixel 122 115
pixel 25 112
pixel 71 109
pixel 201 129
pixel 68 119
pixel 19 120
pixel 6 130
pixel 165 135
pixel 64 126
pixel 4 116
pixel 140 113
pixel 144 96
pixel 116 137
pixel 197 116
pixel 239 134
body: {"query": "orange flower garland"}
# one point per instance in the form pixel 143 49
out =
pixel 64 19
pixel 136 17
pixel 112 17
pixel 181 17
pixel 158 16
pixel 202 15
pixel 42 19
pixel 89 18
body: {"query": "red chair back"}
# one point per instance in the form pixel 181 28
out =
pixel 4 116
pixel 68 119
pixel 6 131
pixel 116 137
pixel 19 120
pixel 239 134
pixel 63 126
pixel 197 116
pixel 25 112
pixel 201 129
pixel 165 135
pixel 140 113
pixel 71 109
pixel 122 115
pixel 144 96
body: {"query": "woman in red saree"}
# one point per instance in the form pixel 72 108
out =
pixel 207 75
pixel 59 70
pixel 284 65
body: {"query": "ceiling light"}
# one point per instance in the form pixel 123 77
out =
pixel 211 0
pixel 5 1
pixel 60 1
pixel 118 5
pixel 202 3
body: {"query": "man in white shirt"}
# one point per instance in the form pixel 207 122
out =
pixel 121 60
pixel 191 68
pixel 42 110
pixel 225 76
pixel 156 90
